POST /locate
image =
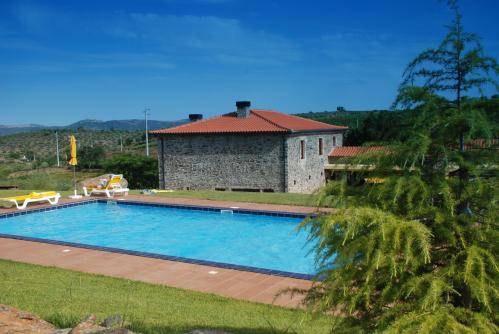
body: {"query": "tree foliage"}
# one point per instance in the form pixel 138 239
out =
pixel 140 171
pixel 382 126
pixel 417 253
pixel 457 66
pixel 90 157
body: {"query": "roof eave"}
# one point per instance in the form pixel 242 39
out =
pixel 320 131
pixel 216 133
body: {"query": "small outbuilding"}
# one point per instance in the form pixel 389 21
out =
pixel 342 162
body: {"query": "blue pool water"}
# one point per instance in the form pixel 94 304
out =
pixel 261 241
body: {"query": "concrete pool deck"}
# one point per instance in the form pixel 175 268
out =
pixel 250 286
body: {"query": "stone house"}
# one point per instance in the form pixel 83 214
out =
pixel 247 150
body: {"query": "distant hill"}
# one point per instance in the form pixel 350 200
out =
pixel 92 124
pixel 124 125
pixel 11 129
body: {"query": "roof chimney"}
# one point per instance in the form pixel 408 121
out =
pixel 243 110
pixel 195 117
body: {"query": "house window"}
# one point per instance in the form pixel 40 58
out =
pixel 302 149
pixel 321 147
pixel 334 140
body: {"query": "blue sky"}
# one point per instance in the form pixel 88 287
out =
pixel 62 61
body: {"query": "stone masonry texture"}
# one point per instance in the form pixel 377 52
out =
pixel 307 175
pixel 225 161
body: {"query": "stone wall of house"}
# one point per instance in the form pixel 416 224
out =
pixel 231 161
pixel 307 175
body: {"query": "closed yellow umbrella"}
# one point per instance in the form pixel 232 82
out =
pixel 73 162
pixel 72 154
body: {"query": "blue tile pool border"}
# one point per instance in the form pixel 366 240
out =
pixel 155 255
pixel 48 208
pixel 213 208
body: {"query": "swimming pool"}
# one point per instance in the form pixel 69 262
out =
pixel 240 240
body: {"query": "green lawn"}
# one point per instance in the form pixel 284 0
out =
pixel 63 297
pixel 270 198
pixel 50 178
pixel 236 196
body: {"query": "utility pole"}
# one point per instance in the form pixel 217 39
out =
pixel 146 112
pixel 121 142
pixel 57 148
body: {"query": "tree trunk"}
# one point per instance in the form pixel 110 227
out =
pixel 461 135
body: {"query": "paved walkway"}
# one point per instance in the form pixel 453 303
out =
pixel 225 282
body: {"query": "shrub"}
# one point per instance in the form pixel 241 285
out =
pixel 140 171
pixel 14 155
pixel 90 157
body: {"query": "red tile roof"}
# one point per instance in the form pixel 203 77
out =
pixel 482 143
pixel 257 121
pixel 353 151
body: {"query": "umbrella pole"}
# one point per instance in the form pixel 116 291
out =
pixel 74 183
pixel 74 179
pixel 73 162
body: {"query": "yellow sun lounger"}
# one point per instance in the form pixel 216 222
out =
pixel 22 201
pixel 110 188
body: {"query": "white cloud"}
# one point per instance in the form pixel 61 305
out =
pixel 108 61
pixel 206 38
pixel 359 55
pixel 178 37
pixel 126 60
pixel 34 18
pixel 200 1
pixel 22 44
pixel 16 69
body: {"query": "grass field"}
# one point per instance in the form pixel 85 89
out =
pixel 253 197
pixel 269 198
pixel 63 297
pixel 51 178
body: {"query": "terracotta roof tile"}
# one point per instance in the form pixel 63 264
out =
pixel 482 143
pixel 352 151
pixel 258 121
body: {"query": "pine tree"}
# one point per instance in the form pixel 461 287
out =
pixel 417 253
pixel 456 66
